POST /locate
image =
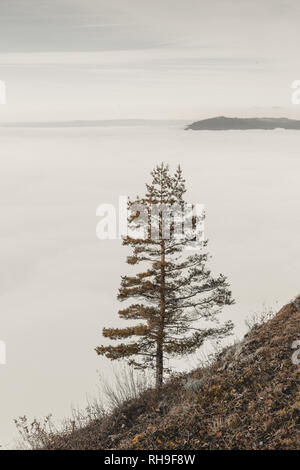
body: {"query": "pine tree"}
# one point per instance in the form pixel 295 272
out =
pixel 175 291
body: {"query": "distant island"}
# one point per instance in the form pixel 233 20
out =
pixel 222 123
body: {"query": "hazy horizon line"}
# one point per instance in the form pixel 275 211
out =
pixel 122 122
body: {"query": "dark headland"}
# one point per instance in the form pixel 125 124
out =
pixel 222 123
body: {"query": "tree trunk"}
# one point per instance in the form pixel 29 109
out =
pixel 159 366
pixel 159 350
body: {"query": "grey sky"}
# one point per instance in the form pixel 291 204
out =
pixel 76 25
pixel 98 59
pixel 60 25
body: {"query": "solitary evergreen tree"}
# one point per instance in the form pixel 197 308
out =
pixel 174 292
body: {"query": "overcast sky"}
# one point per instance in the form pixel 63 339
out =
pixel 98 59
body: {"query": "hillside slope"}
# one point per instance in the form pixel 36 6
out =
pixel 248 399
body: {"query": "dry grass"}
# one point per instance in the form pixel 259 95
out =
pixel 258 318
